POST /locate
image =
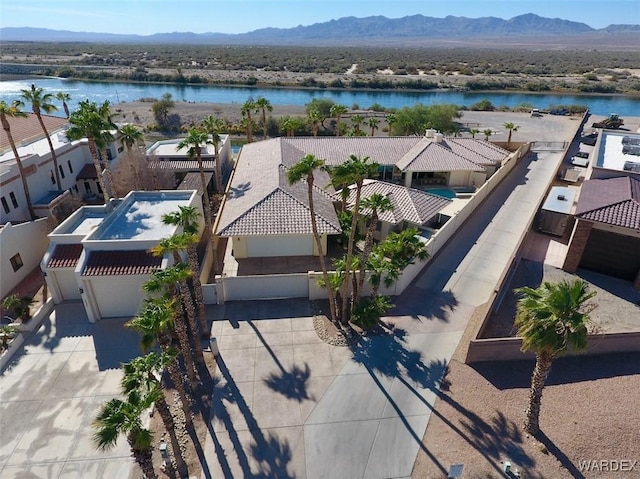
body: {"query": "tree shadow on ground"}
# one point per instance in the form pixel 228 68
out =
pixel 556 452
pixel 271 454
pixel 436 306
pixel 570 369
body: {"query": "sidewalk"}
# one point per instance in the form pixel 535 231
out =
pixel 288 405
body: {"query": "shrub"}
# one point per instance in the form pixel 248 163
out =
pixel 368 311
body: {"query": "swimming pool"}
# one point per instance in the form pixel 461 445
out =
pixel 444 192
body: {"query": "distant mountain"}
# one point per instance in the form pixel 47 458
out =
pixel 345 31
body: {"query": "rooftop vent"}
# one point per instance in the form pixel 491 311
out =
pixel 562 198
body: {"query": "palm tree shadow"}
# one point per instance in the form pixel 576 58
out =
pixel 291 384
pixel 559 455
pixel 240 190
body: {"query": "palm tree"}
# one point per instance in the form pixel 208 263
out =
pixel 391 120
pixel 41 101
pixel 187 217
pixel 248 107
pixel 337 110
pixel 130 136
pixel 105 138
pixel 13 111
pixel 195 141
pixel 487 133
pixel 357 170
pixel 357 120
pixel 142 374
pixel 373 124
pixel 163 283
pixel 213 126
pixel 287 125
pixel 315 118
pixel 64 98
pixel 118 416
pixel 156 323
pixel 511 127
pixel 87 123
pixel 263 105
pixel 304 170
pixel 474 132
pixel 377 203
pixel 551 319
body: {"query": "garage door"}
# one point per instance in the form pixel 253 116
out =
pixel 279 246
pixel 612 254
pixel 118 296
pixel 66 280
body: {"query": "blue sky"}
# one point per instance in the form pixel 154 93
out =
pixel 238 16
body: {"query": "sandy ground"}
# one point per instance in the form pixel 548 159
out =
pixel 478 420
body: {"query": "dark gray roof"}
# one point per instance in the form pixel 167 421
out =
pixel 614 201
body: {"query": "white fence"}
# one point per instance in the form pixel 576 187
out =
pixel 272 286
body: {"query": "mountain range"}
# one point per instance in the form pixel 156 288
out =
pixel 347 31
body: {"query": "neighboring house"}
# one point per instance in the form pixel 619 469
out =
pixel 100 254
pixel 264 216
pixel 167 156
pixel 616 153
pixel 606 236
pixel 412 208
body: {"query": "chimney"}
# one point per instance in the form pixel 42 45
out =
pixel 438 137
pixel 430 133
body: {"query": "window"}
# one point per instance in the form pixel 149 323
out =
pixel 69 165
pixel 14 201
pixel 61 170
pixel 16 262
pixel 52 177
pixel 87 187
pixel 75 187
pixel 5 205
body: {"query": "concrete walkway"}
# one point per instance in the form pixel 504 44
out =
pixel 288 405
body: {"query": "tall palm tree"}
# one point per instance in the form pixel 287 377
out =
pixel 551 319
pixel 357 170
pixel 373 124
pixel 287 125
pixel 263 105
pixel 105 138
pixel 41 101
pixel 118 416
pixel 187 217
pixel 357 120
pixel 87 123
pixel 142 374
pixel 64 98
pixel 377 204
pixel 156 323
pixel 163 283
pixel 196 140
pixel 13 111
pixel 487 133
pixel 248 107
pixel 213 126
pixel 391 120
pixel 315 118
pixel 511 127
pixel 474 132
pixel 304 170
pixel 130 136
pixel 337 110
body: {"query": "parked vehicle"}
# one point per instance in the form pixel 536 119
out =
pixel 613 122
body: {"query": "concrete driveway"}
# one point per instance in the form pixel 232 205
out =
pixel 51 391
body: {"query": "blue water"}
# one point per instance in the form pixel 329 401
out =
pixel 444 192
pixel 124 92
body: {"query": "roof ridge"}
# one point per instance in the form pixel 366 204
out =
pixel 307 207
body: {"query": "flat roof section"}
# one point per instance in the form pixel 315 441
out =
pixel 619 151
pixel 560 199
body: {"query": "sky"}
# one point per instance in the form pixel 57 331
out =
pixel 145 17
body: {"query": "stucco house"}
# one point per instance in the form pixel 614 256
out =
pixel 100 254
pixel 606 235
pixel 264 216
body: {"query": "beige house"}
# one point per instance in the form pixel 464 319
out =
pixel 264 216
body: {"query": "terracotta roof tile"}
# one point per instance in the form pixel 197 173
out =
pixel 182 165
pixel 28 129
pixel 614 201
pixel 65 256
pixel 120 263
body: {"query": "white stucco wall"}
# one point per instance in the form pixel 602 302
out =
pixel 27 239
pixel 112 296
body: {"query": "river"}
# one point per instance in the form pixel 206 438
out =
pixel 126 92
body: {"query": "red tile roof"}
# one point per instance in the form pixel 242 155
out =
pixel 29 128
pixel 614 201
pixel 120 263
pixel 65 256
pixel 88 172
